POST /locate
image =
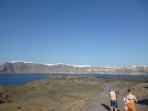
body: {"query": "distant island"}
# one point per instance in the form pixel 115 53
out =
pixel 19 67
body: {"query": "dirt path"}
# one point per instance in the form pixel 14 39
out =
pixel 102 103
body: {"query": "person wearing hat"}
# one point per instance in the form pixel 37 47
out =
pixel 113 98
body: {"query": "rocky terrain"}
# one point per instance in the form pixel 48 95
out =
pixel 71 93
pixel 23 67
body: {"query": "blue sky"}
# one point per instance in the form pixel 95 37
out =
pixel 90 32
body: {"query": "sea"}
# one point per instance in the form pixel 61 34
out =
pixel 20 79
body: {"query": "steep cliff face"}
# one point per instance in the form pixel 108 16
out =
pixel 21 67
pixel 7 68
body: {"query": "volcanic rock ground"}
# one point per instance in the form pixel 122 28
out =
pixel 72 93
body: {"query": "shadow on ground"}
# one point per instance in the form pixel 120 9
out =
pixel 105 106
pixel 146 87
pixel 143 102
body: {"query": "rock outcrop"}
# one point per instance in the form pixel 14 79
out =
pixel 4 98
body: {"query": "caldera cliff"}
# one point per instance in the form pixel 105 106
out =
pixel 24 67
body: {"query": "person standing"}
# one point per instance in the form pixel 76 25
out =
pixel 113 98
pixel 131 101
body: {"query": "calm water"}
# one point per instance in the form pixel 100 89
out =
pixel 19 79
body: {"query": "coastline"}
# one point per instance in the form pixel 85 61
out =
pixel 71 93
pixel 20 79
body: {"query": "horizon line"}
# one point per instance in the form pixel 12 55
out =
pixel 73 64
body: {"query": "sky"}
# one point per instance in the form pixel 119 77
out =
pixel 78 32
